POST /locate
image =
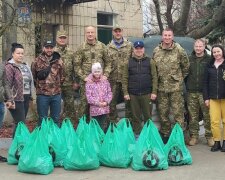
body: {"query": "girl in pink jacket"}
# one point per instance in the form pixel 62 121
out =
pixel 99 95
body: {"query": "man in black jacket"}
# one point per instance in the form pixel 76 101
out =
pixel 139 85
pixel 194 84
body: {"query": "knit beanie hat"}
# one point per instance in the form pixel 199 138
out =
pixel 96 67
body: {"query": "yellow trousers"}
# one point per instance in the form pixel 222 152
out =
pixel 217 113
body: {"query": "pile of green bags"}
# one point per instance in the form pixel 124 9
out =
pixel 88 147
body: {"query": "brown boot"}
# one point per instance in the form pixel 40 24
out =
pixel 193 141
pixel 210 142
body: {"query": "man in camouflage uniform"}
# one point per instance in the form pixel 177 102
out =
pixel 119 51
pixel 67 57
pixel 194 85
pixel 89 52
pixel 172 67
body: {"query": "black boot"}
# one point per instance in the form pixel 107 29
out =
pixel 223 146
pixel 3 159
pixel 216 146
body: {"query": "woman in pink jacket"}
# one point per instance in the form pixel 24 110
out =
pixel 99 95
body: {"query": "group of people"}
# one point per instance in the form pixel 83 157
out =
pixel 103 73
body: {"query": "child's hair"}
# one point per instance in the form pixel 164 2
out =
pixel 96 67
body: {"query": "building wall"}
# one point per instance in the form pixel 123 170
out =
pixel 74 19
pixel 127 13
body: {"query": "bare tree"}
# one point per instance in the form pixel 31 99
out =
pixel 192 18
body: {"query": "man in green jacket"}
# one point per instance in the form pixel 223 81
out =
pixel 88 53
pixel 139 85
pixel 119 51
pixel 194 85
pixel 172 67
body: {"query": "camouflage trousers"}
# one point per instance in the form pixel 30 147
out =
pixel 195 103
pixel 118 97
pixel 170 102
pixel 83 108
pixel 69 110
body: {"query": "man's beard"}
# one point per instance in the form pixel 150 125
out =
pixel 48 55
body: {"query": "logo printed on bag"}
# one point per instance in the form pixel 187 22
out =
pixel 150 159
pixel 18 151
pixel 175 155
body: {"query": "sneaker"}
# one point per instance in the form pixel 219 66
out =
pixel 3 159
pixel 210 142
pixel 193 141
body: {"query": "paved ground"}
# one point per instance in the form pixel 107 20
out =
pixel 206 166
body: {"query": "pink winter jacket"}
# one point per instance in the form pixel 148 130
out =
pixel 98 91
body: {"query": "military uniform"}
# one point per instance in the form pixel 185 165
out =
pixel 172 67
pixel 119 57
pixel 194 86
pixel 85 56
pixel 67 56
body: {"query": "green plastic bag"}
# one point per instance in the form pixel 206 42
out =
pixel 81 155
pixel 176 150
pixel 124 126
pixel 55 141
pixel 97 134
pixel 82 126
pixel 68 133
pixel 20 139
pixel 114 150
pixel 149 153
pixel 36 157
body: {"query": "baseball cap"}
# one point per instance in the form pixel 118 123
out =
pixel 62 33
pixel 138 44
pixel 48 43
pixel 117 26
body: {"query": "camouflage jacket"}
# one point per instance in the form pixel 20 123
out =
pixel 86 55
pixel 153 81
pixel 67 56
pixel 118 57
pixel 172 67
pixel 52 84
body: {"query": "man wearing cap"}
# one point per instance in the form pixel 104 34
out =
pixel 119 51
pixel 69 84
pixel 88 53
pixel 139 85
pixel 48 74
pixel 172 66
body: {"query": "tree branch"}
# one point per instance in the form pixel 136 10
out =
pixel 217 19
pixel 5 26
pixel 158 15
pixel 180 25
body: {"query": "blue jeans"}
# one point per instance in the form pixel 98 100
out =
pixel 44 103
pixel 2 112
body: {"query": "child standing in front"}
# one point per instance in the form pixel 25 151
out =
pixel 99 95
